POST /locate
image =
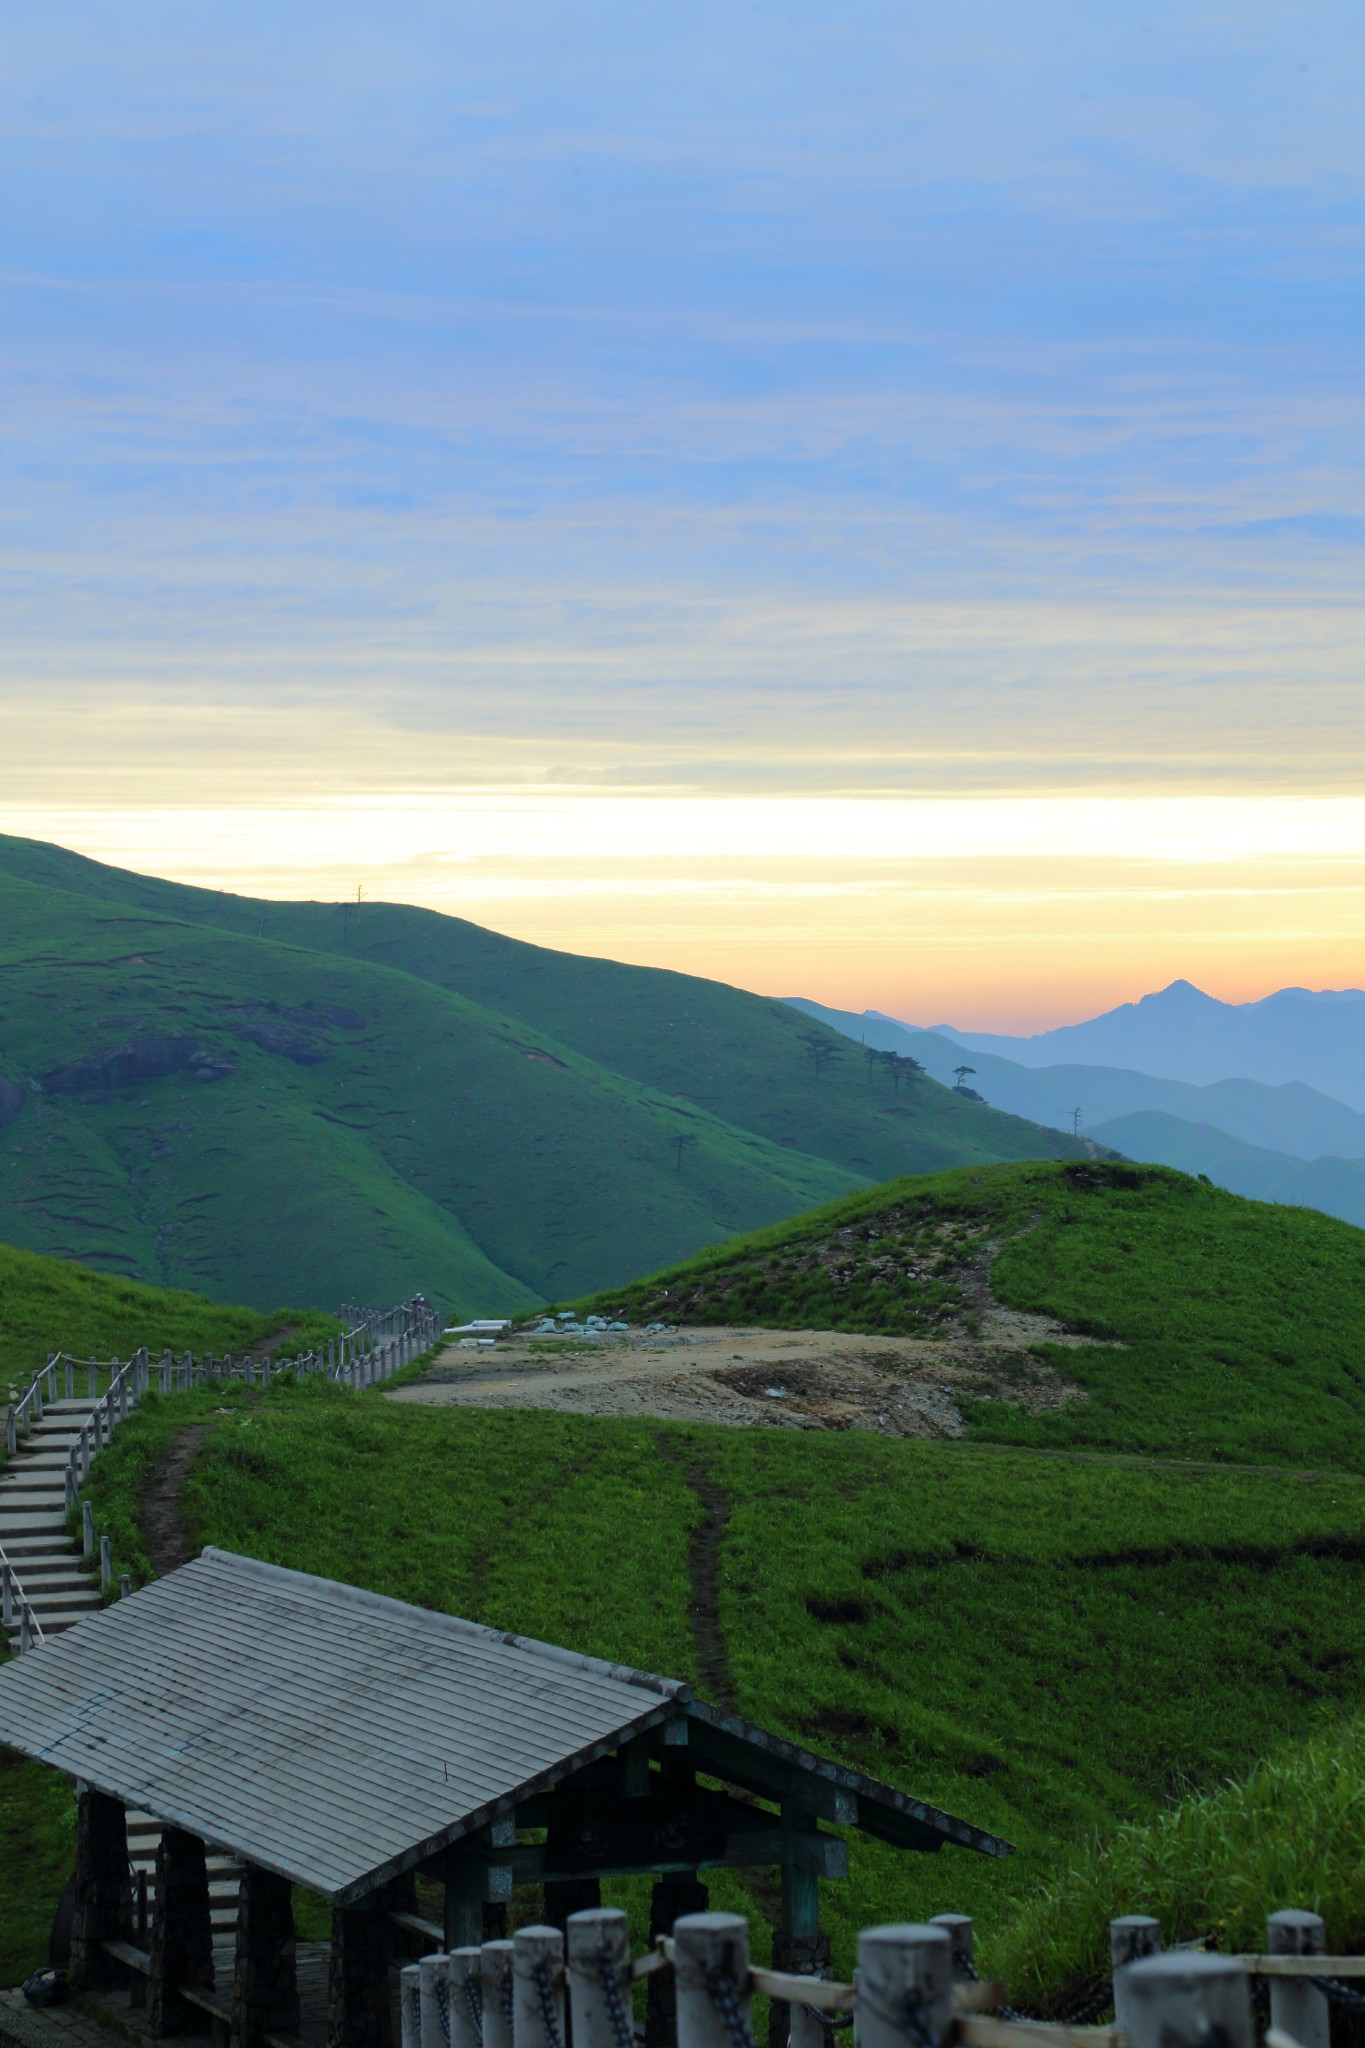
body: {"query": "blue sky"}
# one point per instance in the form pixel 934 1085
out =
pixel 746 400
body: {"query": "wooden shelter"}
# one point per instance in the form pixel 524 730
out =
pixel 344 1742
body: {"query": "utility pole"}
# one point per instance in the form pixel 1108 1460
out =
pixel 1076 1122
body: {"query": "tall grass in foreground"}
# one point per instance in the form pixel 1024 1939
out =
pixel 1290 1833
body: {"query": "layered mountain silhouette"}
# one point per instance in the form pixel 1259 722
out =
pixel 1226 1090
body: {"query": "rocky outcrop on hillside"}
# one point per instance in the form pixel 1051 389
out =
pixel 136 1061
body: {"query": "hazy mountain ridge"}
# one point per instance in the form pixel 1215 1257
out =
pixel 1180 1034
pixel 1281 1142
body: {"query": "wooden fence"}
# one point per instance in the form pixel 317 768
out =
pixel 374 1345
pixel 915 1987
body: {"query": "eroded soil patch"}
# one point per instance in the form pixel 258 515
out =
pixel 785 1379
pixel 163 1530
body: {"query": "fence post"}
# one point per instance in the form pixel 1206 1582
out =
pixel 25 1627
pixel 495 1966
pixel 106 1565
pixel 464 1996
pixel 69 1482
pixel 962 1939
pixel 711 1963
pixel 7 1595
pixel 125 1585
pixel 1131 1937
pixel 1187 1999
pixel 904 1986
pixel 433 2000
pixel 410 2006
pixel 87 1529
pixel 537 1988
pixel 1297 2007
pixel 599 1978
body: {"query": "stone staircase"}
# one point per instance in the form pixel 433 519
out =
pixel 61 1590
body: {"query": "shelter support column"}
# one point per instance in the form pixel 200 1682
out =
pixel 571 1895
pixel 104 1899
pixel 265 1991
pixel 359 2012
pixel 669 1900
pixel 477 1891
pixel 182 1935
pixel 798 1944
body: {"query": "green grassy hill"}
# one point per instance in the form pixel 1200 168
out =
pixel 49 1305
pixel 1232 1329
pixel 1022 1638
pixel 1075 1640
pixel 322 1103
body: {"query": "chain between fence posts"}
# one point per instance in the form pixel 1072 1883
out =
pixel 1188 2000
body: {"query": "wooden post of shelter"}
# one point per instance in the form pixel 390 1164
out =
pixel 359 2010
pixel 265 1991
pixel 182 1935
pixel 798 1944
pixel 103 1902
pixel 671 1899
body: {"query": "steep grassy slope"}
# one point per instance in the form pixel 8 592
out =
pixel 47 1305
pixel 1024 1639
pixel 332 1125
pixel 1233 1329
pixel 740 1057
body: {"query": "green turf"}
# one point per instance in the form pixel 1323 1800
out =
pixel 1233 1329
pixel 1021 1638
pixel 1288 1832
pixel 502 1124
pixel 49 1305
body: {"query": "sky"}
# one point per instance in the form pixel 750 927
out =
pixel 862 502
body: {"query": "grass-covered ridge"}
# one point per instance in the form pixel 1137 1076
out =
pixel 1233 1329
pixel 411 1101
pixel 49 1305
pixel 1021 1638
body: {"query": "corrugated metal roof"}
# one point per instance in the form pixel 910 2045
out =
pixel 329 1734
pixel 338 1737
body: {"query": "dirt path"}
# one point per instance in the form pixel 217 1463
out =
pixel 164 1533
pixel 785 1379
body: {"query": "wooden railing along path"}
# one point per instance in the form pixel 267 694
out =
pixel 915 1987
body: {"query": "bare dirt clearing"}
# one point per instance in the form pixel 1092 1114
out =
pixel 784 1379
